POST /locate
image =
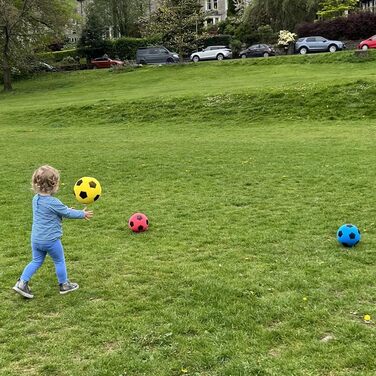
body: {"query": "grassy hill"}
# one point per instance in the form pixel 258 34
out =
pixel 245 169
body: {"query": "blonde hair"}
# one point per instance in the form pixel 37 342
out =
pixel 46 180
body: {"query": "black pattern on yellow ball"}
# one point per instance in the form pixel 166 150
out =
pixel 83 194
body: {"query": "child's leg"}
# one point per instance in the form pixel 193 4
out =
pixel 37 261
pixel 56 251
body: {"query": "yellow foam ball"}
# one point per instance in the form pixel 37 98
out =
pixel 87 190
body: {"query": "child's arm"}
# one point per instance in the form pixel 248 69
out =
pixel 63 211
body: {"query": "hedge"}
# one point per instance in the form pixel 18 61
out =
pixel 124 48
pixel 54 57
pixel 215 40
pixel 356 26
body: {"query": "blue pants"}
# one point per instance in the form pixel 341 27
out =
pixel 40 250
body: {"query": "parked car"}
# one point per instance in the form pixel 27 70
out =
pixel 212 53
pixel 105 62
pixel 368 43
pixel 156 55
pixel 317 44
pixel 257 50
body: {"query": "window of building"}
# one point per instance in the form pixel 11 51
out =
pixel 215 4
pixel 208 4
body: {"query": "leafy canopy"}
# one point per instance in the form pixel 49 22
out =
pixel 27 24
pixel 335 8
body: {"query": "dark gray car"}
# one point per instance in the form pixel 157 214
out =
pixel 156 55
pixel 257 50
pixel 317 44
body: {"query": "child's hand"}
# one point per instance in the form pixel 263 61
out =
pixel 88 214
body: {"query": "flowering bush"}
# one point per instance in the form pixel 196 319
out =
pixel 285 38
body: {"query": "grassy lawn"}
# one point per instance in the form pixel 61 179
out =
pixel 246 170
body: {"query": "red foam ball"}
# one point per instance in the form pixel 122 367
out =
pixel 138 222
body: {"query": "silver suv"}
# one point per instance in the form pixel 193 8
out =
pixel 317 44
pixel 212 53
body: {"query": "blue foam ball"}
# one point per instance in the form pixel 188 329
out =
pixel 348 235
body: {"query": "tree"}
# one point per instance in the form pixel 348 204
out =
pixel 120 15
pixel 329 9
pixel 177 23
pixel 26 23
pixel 231 10
pixel 279 14
pixel 94 30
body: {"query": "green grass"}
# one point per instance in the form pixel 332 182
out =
pixel 245 170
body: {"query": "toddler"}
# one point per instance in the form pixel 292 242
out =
pixel 46 232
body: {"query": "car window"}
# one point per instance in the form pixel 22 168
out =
pixel 253 46
pixel 162 51
pixel 311 39
pixel 373 38
pixel 320 39
pixel 300 40
pixel 153 51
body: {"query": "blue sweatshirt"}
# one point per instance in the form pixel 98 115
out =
pixel 48 213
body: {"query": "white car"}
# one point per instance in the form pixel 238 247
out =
pixel 212 53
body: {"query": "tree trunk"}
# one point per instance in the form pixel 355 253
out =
pixel 6 63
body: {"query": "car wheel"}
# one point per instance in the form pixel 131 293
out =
pixel 266 54
pixel 195 59
pixel 170 61
pixel 243 56
pixel 303 51
pixel 333 48
pixel 365 47
pixel 220 57
pixel 142 62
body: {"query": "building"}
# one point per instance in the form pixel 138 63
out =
pixel 73 33
pixel 216 11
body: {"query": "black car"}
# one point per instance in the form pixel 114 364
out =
pixel 257 50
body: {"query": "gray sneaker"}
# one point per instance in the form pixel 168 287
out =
pixel 23 289
pixel 68 287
